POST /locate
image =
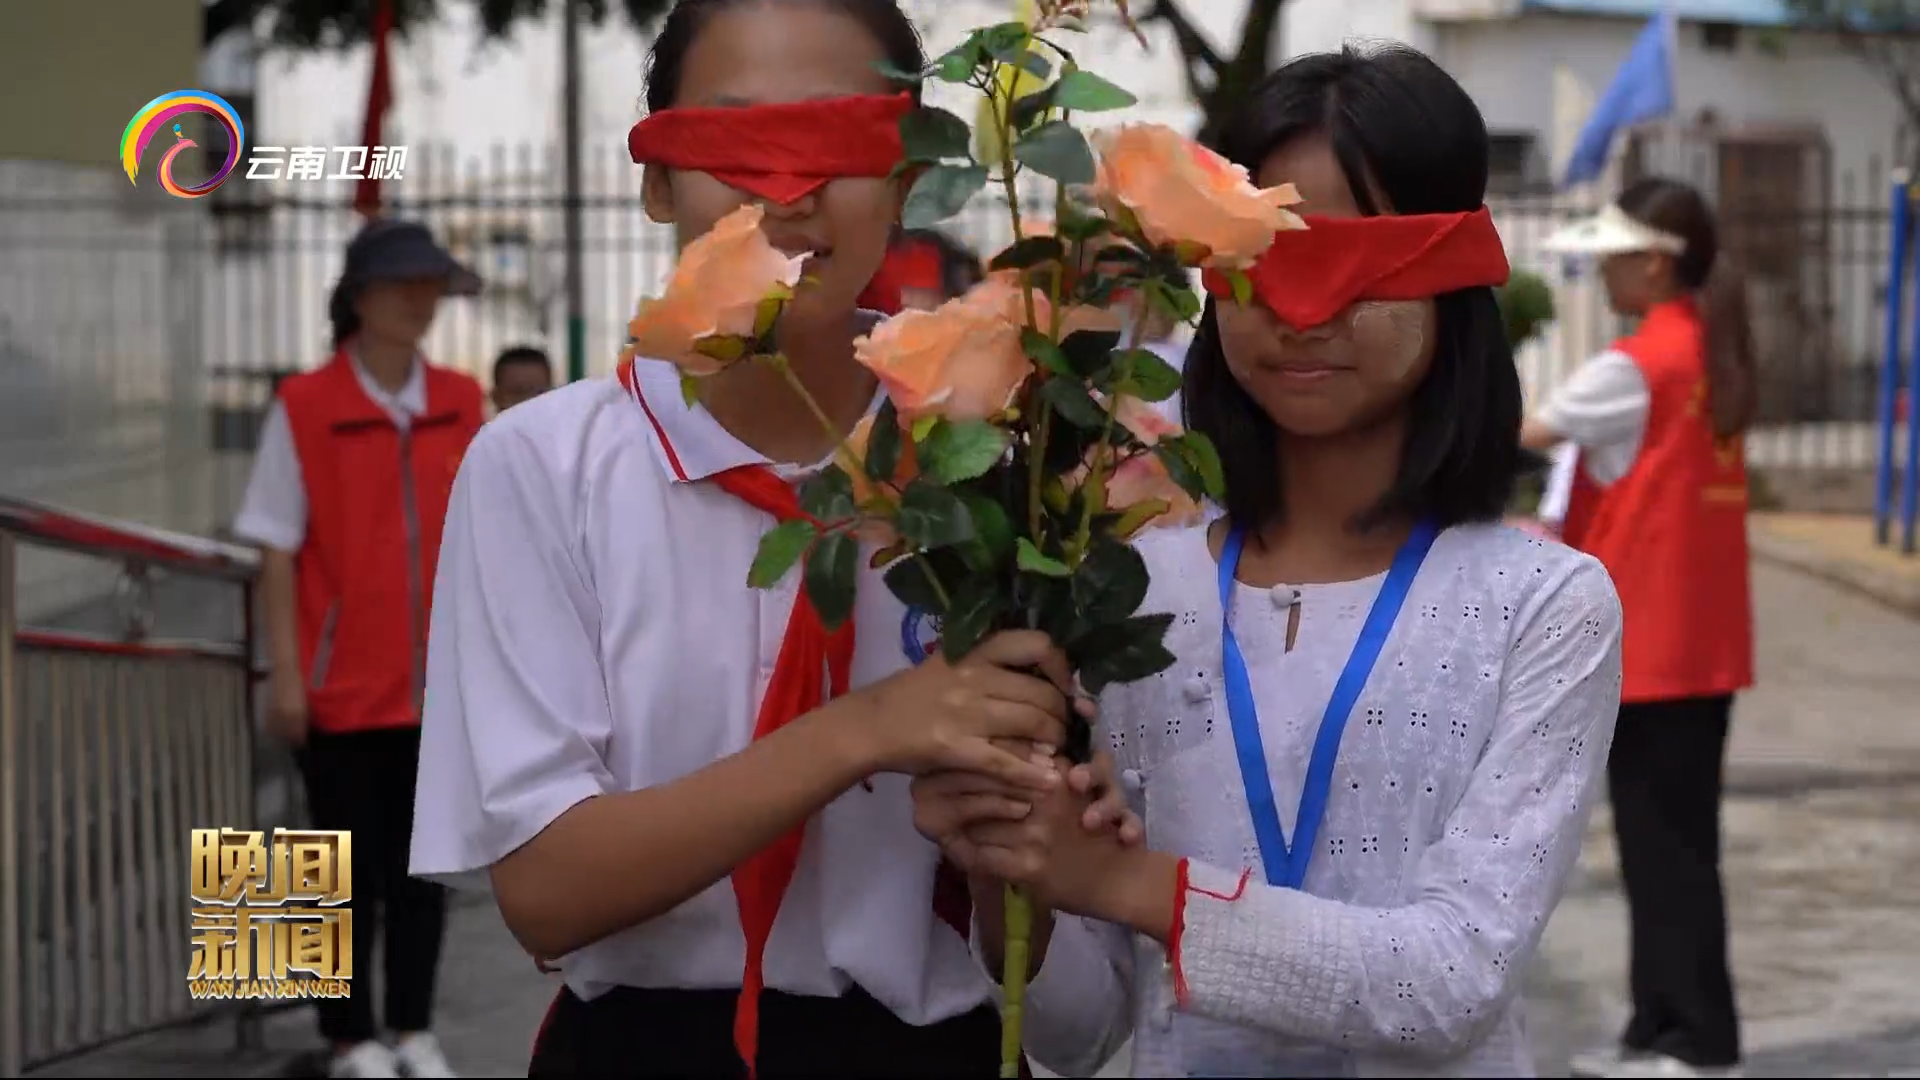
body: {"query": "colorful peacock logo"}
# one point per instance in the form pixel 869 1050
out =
pixel 164 112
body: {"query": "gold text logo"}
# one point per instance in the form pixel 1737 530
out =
pixel 269 917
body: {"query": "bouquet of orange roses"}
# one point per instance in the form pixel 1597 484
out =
pixel 1018 448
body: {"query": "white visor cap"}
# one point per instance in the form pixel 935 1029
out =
pixel 1612 232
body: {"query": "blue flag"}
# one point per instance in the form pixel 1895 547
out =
pixel 1642 90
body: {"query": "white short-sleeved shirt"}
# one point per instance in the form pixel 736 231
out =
pixel 1465 777
pixel 273 512
pixel 593 632
pixel 1602 411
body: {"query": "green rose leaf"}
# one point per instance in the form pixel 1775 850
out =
pixel 1006 42
pixel 942 192
pixel 932 135
pixel 910 581
pixel 1083 91
pixel 828 496
pixel 1194 464
pixel 1089 350
pixel 933 517
pixel 883 443
pixel 780 547
pixel 1148 377
pixel 1121 652
pixel 1056 150
pixel 1041 350
pixel 993 534
pixel 953 452
pixel 967 623
pixel 1035 63
pixel 1033 560
pixel 1070 399
pixel 1029 110
pixel 1030 252
pixel 1111 581
pixel 833 569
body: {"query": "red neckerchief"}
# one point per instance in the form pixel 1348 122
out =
pixel 782 151
pixel 1310 275
pixel 812 664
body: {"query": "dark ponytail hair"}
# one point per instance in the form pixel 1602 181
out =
pixel 1733 377
pixel 883 19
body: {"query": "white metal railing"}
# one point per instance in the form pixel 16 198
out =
pixel 113 746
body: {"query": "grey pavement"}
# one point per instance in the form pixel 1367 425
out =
pixel 1823 865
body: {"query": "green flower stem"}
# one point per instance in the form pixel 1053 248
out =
pixel 841 452
pixel 1019 909
pixel 1084 534
pixel 1013 979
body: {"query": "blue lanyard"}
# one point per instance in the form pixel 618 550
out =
pixel 1287 866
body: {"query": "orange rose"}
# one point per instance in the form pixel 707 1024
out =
pixel 716 302
pixel 962 360
pixel 1183 194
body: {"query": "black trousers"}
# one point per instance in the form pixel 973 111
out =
pixel 1664 778
pixel 364 781
pixel 689 1033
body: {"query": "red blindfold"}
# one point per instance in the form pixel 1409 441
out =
pixel 1310 275
pixel 780 152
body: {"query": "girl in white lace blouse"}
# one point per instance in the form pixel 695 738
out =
pixel 1366 778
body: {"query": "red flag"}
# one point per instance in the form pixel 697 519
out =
pixel 366 199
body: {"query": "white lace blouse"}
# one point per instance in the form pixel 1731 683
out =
pixel 1460 795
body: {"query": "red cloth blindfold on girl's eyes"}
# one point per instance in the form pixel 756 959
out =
pixel 1310 275
pixel 780 152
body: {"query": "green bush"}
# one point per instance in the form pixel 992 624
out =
pixel 1526 303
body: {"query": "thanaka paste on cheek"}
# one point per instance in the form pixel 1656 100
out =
pixel 1388 335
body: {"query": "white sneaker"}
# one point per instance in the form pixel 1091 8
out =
pixel 367 1059
pixel 420 1057
pixel 1600 1061
pixel 1655 1066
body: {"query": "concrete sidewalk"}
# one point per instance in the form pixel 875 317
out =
pixel 1840 549
pixel 1823 865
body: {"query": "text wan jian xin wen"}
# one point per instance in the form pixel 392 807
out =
pixel 271 919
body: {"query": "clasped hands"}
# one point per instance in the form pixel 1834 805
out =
pixel 1064 844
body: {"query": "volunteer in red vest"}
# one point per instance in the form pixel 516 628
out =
pixel 347 499
pixel 1659 496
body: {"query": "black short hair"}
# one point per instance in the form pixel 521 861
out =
pixel 522 354
pixel 1403 128
pixel 960 267
pixel 883 19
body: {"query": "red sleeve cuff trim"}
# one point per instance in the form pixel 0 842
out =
pixel 1183 884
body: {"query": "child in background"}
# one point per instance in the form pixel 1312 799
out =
pixel 520 374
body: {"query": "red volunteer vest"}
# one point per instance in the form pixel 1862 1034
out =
pixel 376 505
pixel 1673 531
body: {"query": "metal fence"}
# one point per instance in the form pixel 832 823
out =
pixel 264 255
pixel 119 733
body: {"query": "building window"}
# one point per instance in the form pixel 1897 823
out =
pixel 1719 37
pixel 1514 164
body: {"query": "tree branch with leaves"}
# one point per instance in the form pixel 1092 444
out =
pixel 1219 80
